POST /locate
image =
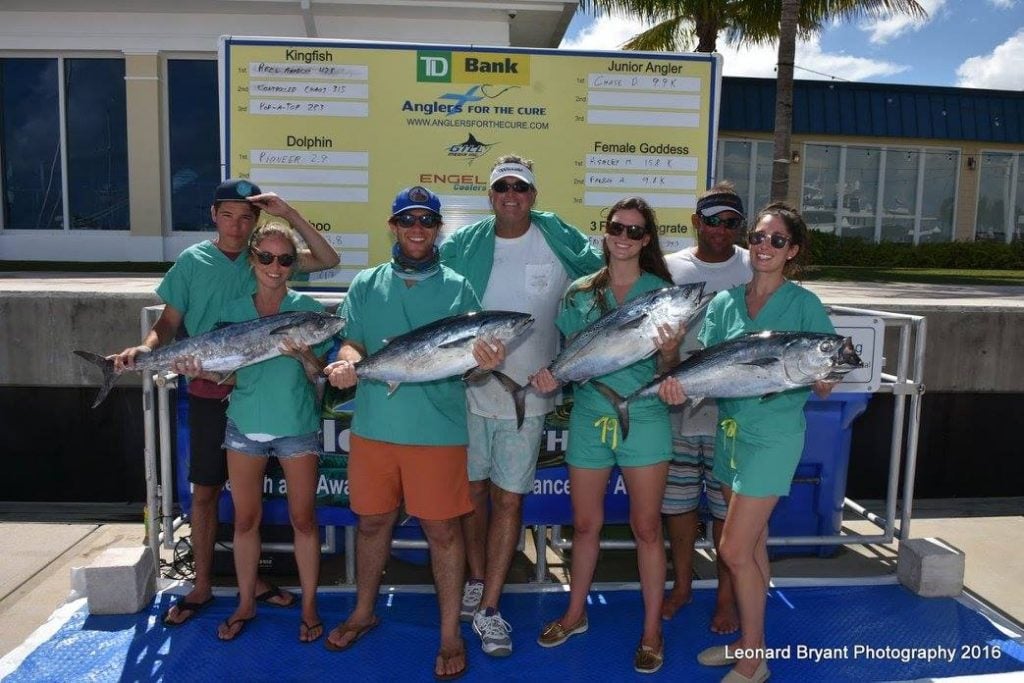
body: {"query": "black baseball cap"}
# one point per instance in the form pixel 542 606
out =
pixel 236 190
pixel 714 204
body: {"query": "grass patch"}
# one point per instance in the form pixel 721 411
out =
pixel 934 276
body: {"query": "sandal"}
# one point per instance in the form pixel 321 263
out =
pixel 647 660
pixel 267 597
pixel 186 609
pixel 357 631
pixel 448 655
pixel 241 623
pixel 305 628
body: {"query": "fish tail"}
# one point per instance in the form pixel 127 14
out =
pixel 109 375
pixel 620 404
pixel 518 395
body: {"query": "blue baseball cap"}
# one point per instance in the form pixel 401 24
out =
pixel 416 197
pixel 236 190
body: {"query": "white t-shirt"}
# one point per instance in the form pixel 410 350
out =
pixel 685 268
pixel 526 277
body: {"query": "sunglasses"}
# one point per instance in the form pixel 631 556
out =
pixel 716 221
pixel 519 186
pixel 633 232
pixel 266 258
pixel 407 220
pixel 777 240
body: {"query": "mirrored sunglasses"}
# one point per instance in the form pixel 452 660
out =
pixel 266 258
pixel 633 232
pixel 519 186
pixel 776 239
pixel 407 220
pixel 717 221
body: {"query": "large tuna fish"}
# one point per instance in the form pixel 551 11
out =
pixel 626 334
pixel 229 347
pixel 444 348
pixel 756 364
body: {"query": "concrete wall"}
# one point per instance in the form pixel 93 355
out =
pixel 973 342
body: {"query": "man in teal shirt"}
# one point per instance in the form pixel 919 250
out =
pixel 522 260
pixel 409 446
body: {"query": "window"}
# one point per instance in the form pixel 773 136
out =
pixel 82 183
pixel 1000 189
pixel 880 193
pixel 193 128
pixel 737 161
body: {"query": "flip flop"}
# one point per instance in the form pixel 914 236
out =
pixel 231 624
pixel 189 609
pixel 357 631
pixel 310 627
pixel 275 592
pixel 446 655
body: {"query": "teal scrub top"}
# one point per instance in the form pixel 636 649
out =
pixel 380 306
pixel 201 281
pixel 274 396
pixel 791 308
pixel 578 310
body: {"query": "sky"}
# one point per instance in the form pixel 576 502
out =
pixel 962 43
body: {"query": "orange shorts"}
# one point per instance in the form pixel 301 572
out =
pixel 432 480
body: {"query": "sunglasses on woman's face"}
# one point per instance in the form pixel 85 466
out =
pixel 633 232
pixel 520 186
pixel 427 220
pixel 776 239
pixel 266 258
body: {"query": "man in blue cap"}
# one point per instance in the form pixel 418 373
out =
pixel 410 445
pixel 203 278
pixel 721 264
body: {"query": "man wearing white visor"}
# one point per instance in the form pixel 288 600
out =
pixel 519 259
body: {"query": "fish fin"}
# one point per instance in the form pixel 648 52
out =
pixel 456 341
pixel 109 375
pixel 392 386
pixel 620 404
pixel 518 395
pixel 320 386
pixel 221 325
pixel 695 401
pixel 762 362
pixel 768 397
pixel 226 376
pixel 474 374
pixel 632 323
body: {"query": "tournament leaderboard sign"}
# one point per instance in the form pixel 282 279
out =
pixel 338 127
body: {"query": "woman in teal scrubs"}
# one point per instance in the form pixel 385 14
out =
pixel 634 265
pixel 759 442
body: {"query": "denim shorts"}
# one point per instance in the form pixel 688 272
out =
pixel 282 447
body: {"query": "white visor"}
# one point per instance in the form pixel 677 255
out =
pixel 513 170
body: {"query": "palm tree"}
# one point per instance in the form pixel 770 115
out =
pixel 676 23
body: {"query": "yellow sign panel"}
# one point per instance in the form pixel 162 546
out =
pixel 338 128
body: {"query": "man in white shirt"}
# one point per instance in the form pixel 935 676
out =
pixel 716 260
pixel 522 260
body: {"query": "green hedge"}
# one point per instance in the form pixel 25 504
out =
pixel 829 250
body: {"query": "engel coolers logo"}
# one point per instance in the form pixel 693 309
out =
pixel 436 66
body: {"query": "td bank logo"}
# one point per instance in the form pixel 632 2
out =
pixel 437 66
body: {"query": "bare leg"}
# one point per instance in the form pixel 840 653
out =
pixel 373 545
pixel 447 560
pixel 646 489
pixel 587 487
pixel 743 539
pixel 726 619
pixel 474 529
pixel 682 535
pixel 502 536
pixel 301 477
pixel 246 475
pixel 203 522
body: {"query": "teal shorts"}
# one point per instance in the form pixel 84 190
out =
pixel 595 441
pixel 503 454
pixel 757 465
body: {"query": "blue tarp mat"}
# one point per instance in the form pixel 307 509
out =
pixel 873 633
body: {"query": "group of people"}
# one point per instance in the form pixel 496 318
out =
pixel 451 452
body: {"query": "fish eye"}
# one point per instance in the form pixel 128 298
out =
pixel 825 346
